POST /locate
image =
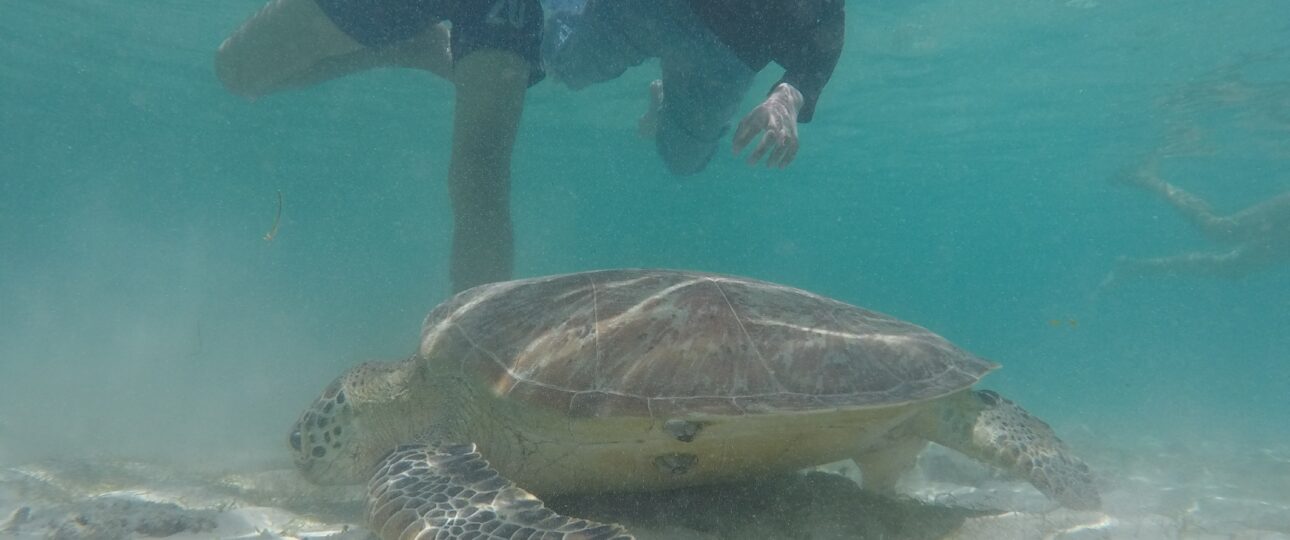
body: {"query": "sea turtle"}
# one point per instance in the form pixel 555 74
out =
pixel 628 380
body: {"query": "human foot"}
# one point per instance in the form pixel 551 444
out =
pixel 647 126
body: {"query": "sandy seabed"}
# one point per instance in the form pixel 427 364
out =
pixel 1150 490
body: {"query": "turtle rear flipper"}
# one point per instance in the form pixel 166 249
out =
pixel 450 491
pixel 985 426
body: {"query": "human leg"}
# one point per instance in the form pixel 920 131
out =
pixel 1268 220
pixel 702 84
pixel 490 87
pixel 1234 264
pixel 496 48
pixel 296 43
pixel 697 105
pixel 283 41
pixel 1194 209
pixel 592 46
pixel 647 125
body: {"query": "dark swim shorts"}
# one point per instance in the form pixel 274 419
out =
pixel 509 25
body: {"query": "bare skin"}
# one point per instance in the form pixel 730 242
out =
pixel 293 44
pixel 777 116
pixel 490 97
pixel 1259 235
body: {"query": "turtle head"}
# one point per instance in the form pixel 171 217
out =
pixel 342 436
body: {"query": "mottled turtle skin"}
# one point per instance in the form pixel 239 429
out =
pixel 625 380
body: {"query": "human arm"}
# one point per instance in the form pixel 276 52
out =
pixel 777 116
pixel 808 46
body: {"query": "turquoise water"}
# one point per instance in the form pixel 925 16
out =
pixel 957 175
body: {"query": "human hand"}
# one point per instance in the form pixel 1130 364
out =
pixel 777 116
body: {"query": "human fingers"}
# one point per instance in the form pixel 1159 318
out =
pixel 768 142
pixel 748 128
pixel 783 155
pixel 776 159
pixel 791 154
pixel 787 151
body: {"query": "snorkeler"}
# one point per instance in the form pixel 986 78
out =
pixel 491 55
pixel 710 51
pixel 1260 234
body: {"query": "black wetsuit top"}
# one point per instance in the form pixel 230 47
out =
pixel 802 36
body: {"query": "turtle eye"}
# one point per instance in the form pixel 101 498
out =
pixel 295 439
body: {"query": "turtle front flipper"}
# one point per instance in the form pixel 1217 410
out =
pixel 450 491
pixel 985 426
